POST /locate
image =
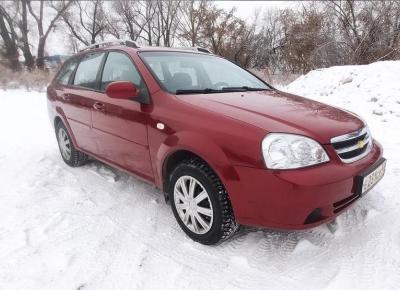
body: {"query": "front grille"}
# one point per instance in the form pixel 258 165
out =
pixel 353 146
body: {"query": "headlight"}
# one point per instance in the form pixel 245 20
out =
pixel 288 151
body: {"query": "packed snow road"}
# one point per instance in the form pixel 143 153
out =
pixel 95 227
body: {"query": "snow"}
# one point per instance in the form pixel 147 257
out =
pixel 95 227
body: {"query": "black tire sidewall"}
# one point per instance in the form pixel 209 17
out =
pixel 69 161
pixel 215 234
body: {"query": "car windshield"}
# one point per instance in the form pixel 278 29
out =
pixel 192 73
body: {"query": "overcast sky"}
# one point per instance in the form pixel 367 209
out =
pixel 246 9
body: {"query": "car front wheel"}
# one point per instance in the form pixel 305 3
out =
pixel 200 203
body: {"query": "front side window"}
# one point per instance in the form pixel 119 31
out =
pixel 66 72
pixel 119 67
pixel 180 71
pixel 86 73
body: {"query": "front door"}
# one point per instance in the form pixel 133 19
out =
pixel 120 126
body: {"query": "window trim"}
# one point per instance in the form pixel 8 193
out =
pixel 161 85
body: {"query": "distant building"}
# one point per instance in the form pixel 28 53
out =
pixel 52 62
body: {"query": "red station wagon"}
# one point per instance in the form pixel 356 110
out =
pixel 225 147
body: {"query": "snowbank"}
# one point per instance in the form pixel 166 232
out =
pixel 97 228
pixel 372 90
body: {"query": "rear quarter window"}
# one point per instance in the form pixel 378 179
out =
pixel 66 72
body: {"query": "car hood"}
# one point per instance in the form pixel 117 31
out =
pixel 276 111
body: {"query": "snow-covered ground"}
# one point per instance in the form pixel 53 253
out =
pixel 95 227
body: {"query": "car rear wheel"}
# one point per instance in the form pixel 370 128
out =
pixel 200 203
pixel 69 154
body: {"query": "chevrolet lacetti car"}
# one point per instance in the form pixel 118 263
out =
pixel 225 147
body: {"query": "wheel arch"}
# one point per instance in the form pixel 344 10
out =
pixel 179 147
pixel 60 117
pixel 173 160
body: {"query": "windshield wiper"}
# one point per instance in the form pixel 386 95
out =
pixel 222 90
pixel 198 91
pixel 243 89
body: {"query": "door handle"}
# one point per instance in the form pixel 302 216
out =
pixel 66 97
pixel 98 106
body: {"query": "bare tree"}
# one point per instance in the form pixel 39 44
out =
pixel 85 20
pixel 167 20
pixel 369 29
pixel 193 15
pixel 135 18
pixel 321 34
pixel 9 38
pixel 23 27
pixel 303 35
pixel 268 42
pixel 149 12
pixel 113 26
pixel 59 7
pixel 228 35
pixel 216 27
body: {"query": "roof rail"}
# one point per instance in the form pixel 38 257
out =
pixel 197 48
pixel 129 43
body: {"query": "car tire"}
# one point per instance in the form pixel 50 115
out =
pixel 69 153
pixel 203 210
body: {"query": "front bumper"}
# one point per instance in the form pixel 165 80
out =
pixel 301 198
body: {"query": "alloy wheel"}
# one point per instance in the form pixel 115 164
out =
pixel 64 143
pixel 193 204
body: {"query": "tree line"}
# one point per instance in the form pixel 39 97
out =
pixel 317 34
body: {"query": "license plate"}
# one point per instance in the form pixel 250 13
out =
pixel 368 179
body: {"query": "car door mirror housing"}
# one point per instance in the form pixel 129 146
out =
pixel 122 90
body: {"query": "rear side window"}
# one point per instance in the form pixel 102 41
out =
pixel 119 67
pixel 66 72
pixel 86 74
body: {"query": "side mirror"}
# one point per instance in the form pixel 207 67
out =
pixel 122 90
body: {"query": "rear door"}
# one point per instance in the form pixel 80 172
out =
pixel 120 126
pixel 79 98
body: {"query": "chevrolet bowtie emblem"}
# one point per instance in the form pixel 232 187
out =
pixel 360 144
